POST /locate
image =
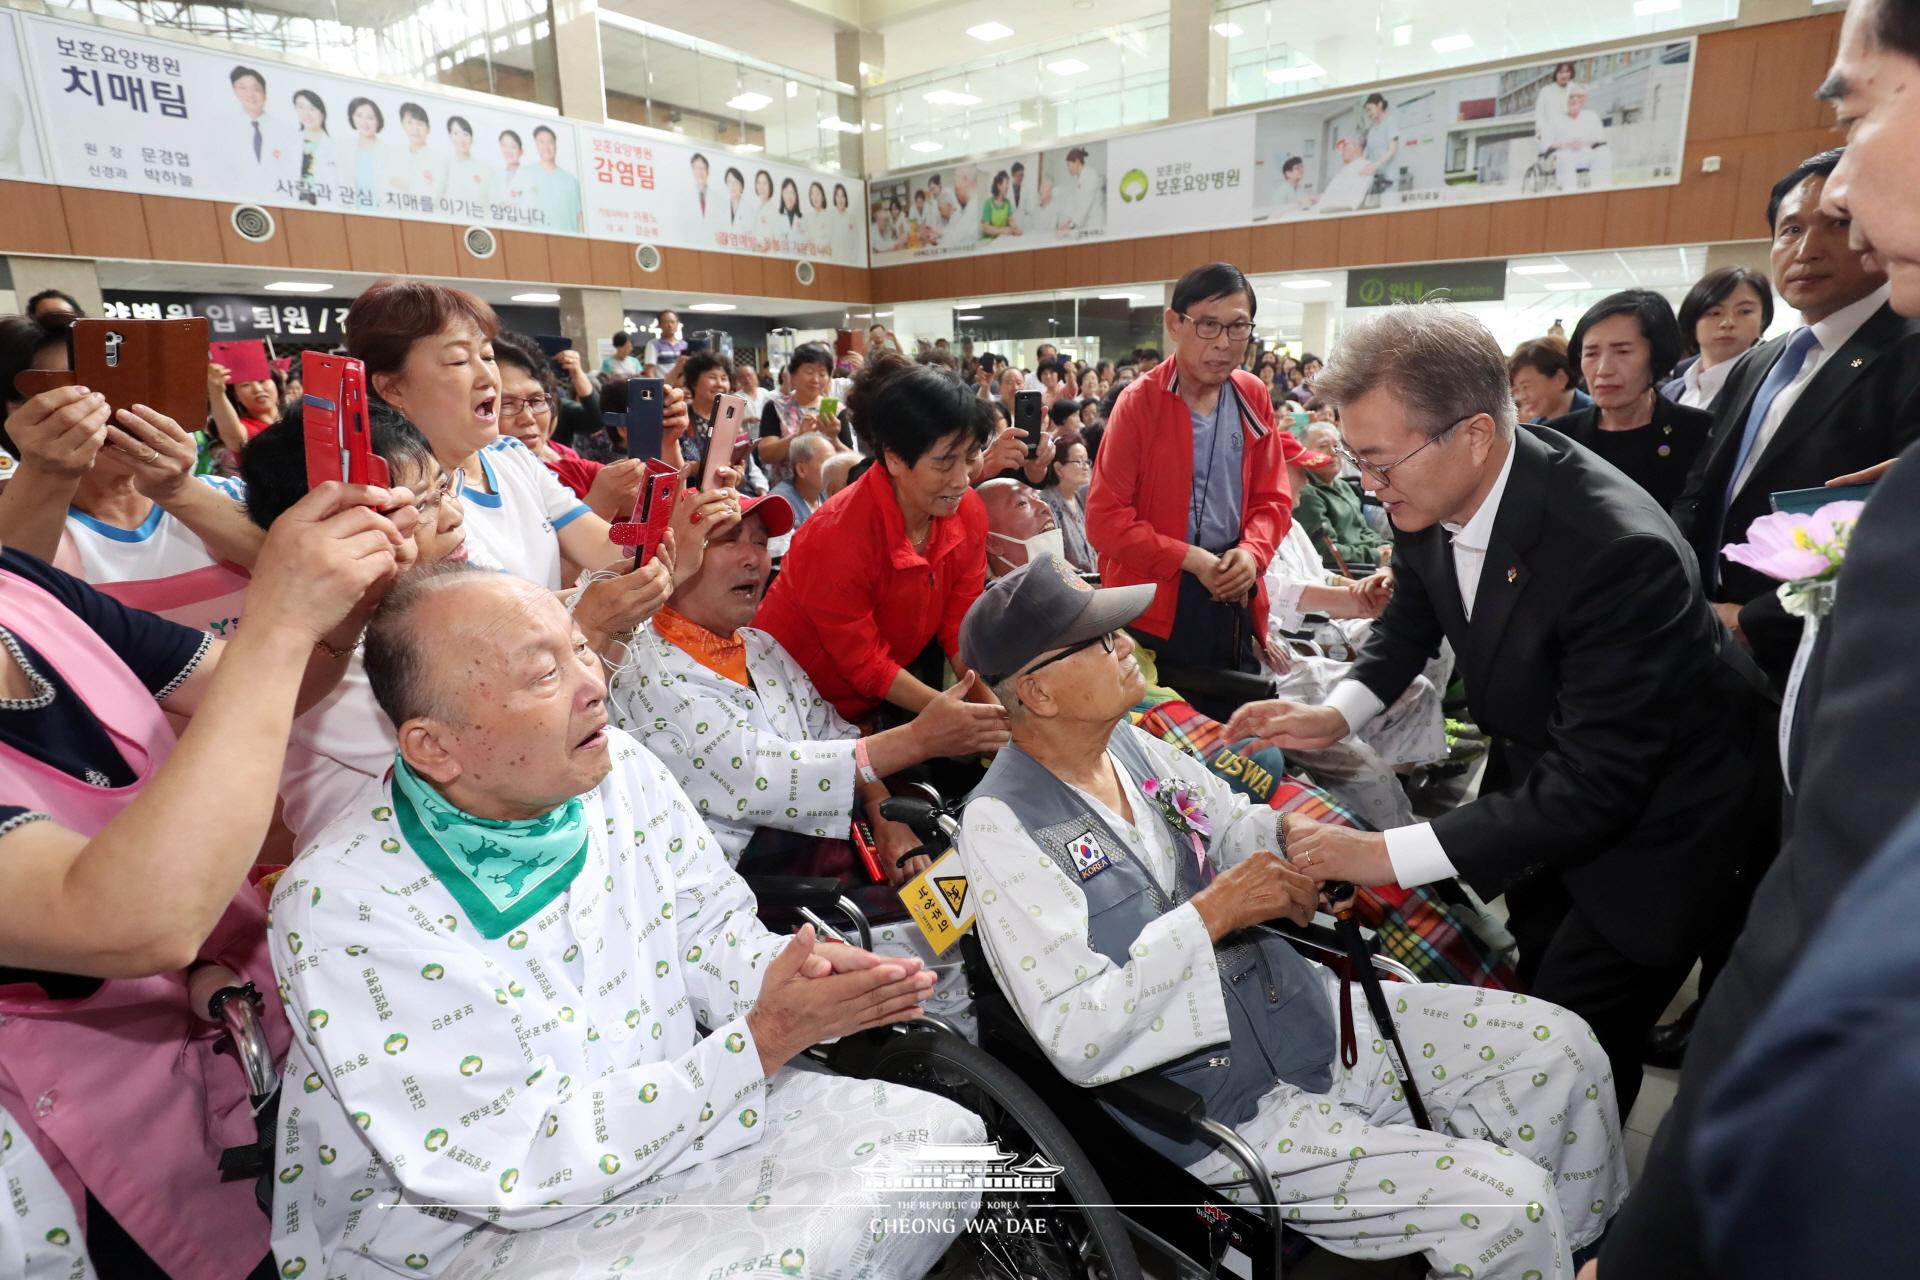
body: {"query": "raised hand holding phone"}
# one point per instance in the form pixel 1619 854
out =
pixel 729 423
pixel 335 424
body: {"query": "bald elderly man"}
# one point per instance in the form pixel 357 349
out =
pixel 527 985
pixel 1020 525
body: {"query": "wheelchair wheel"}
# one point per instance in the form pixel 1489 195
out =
pixel 1070 1232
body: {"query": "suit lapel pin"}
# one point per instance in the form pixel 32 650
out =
pixel 1513 573
pixel 1857 362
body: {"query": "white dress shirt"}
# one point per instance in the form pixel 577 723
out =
pixel 1829 335
pixel 1703 385
pixel 1415 851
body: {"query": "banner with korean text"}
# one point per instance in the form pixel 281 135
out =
pixel 1603 121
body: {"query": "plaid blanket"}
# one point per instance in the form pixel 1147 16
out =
pixel 1418 927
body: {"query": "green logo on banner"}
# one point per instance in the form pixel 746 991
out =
pixel 1134 186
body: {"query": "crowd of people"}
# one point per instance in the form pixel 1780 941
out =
pixel 465 797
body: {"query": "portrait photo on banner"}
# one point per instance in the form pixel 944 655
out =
pixel 1021 201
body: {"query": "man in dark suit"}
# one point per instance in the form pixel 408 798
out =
pixel 1625 721
pixel 1854 781
pixel 1839 393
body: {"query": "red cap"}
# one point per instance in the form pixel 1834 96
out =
pixel 1312 460
pixel 773 509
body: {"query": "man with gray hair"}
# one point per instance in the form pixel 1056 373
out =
pixel 1625 723
pixel 806 488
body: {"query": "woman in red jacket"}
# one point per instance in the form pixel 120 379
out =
pixel 891 562
pixel 1190 490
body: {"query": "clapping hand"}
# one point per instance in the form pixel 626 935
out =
pixel 799 1005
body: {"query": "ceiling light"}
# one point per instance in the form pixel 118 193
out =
pixel 1540 268
pixel 1647 8
pixel 969 317
pixel 990 31
pixel 835 122
pixel 951 98
pixel 1288 75
pixel 1231 30
pixel 536 297
pixel 793 88
pixel 748 101
pixel 748 148
pixel 1067 67
pixel 1021 125
pixel 713 306
pixel 927 146
pixel 1305 282
pixel 1120 297
pixel 1567 284
pixel 1403 35
pixel 297 286
pixel 1453 44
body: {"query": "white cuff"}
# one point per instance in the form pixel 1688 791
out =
pixel 1356 702
pixel 1416 855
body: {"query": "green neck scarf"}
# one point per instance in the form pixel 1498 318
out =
pixel 501 873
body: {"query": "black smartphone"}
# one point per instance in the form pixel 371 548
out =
pixel 1026 416
pixel 646 416
pixel 1807 501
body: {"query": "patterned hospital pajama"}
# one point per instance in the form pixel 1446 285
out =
pixel 1528 1165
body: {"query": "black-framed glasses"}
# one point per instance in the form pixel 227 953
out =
pixel 1209 328
pixel 1384 473
pixel 1105 641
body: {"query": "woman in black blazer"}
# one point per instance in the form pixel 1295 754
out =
pixel 1622 345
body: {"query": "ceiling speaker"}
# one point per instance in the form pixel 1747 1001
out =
pixel 480 242
pixel 803 272
pixel 252 223
pixel 647 258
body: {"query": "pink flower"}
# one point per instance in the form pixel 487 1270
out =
pixel 1789 546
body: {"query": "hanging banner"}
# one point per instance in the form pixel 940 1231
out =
pixel 1602 122
pixel 151 116
pixel 671 194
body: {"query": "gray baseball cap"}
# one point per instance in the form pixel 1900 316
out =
pixel 1040 606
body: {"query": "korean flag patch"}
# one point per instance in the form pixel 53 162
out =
pixel 1088 859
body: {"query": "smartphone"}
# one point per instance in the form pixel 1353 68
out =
pixel 1026 416
pixel 652 513
pixel 159 363
pixel 1807 501
pixel 742 450
pixel 729 424
pixel 334 422
pixel 869 851
pixel 646 417
pixel 829 407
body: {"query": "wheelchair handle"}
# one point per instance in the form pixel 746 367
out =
pixel 238 1010
pixel 927 820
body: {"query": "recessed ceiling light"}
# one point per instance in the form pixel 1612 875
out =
pixel 1540 268
pixel 748 101
pixel 1231 30
pixel 951 98
pixel 835 122
pixel 536 297
pixel 297 286
pixel 1305 282
pixel 793 88
pixel 1647 8
pixel 748 148
pixel 927 146
pixel 1453 43
pixel 969 317
pixel 1067 67
pixel 990 31
pixel 1567 284
pixel 1403 35
pixel 1020 125
pixel 1119 297
pixel 1288 75
pixel 713 306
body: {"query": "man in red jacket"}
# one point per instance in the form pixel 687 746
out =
pixel 1190 489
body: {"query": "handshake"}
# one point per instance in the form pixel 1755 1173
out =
pixel 1270 886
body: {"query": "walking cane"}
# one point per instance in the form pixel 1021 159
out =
pixel 1361 961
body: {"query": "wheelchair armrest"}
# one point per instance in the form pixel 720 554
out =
pixel 819 893
pixel 1163 1106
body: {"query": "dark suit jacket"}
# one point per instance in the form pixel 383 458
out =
pixel 1855 785
pixel 1682 431
pixel 1862 407
pixel 1624 715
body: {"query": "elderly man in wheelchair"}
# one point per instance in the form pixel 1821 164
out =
pixel 1119 889
pixel 538 1028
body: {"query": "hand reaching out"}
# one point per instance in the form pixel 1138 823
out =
pixel 1287 725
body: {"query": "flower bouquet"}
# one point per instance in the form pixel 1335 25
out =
pixel 1179 804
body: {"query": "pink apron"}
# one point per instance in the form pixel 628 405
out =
pixel 121 1093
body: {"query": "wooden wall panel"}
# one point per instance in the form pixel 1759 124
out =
pixel 273 253
pixel 1460 233
pixel 1723 84
pixel 1782 57
pixel 1410 237
pixel 36 219
pixel 1315 244
pixel 525 255
pixel 1272 248
pixel 1637 217
pixel 570 259
pixel 184 230
pixel 1579 222
pixel 1515 228
pixel 1235 244
pixel 431 249
pixel 105 224
pixel 315 241
pixel 1365 239
pixel 607 263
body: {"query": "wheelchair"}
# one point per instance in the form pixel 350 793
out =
pixel 1194 1222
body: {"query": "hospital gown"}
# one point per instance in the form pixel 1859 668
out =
pixel 1529 1164
pixel 775 755
pixel 458 1106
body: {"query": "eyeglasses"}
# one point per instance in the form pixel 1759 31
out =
pixel 1383 473
pixel 1104 641
pixel 510 406
pixel 1208 327
pixel 449 486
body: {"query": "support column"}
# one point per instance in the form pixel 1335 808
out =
pixel 566 69
pixel 75 276
pixel 1189 60
pixel 589 317
pixel 1316 328
pixel 858 60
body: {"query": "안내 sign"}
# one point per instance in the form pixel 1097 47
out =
pixel 1456 281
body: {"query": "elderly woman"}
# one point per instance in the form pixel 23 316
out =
pixel 529 397
pixel 891 565
pixel 1067 475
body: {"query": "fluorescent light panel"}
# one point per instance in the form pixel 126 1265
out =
pixel 1539 268
pixel 1305 282
pixel 1453 43
pixel 951 98
pixel 1289 75
pixel 1231 30
pixel 297 286
pixel 1067 67
pixel 927 147
pixel 536 297
pixel 1568 284
pixel 713 306
pixel 748 101
pixel 988 32
pixel 1647 8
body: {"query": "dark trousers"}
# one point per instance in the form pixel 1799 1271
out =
pixel 1564 959
pixel 1207 636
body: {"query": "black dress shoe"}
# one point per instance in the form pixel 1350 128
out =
pixel 1667 1043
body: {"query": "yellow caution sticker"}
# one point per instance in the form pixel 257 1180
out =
pixel 940 902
